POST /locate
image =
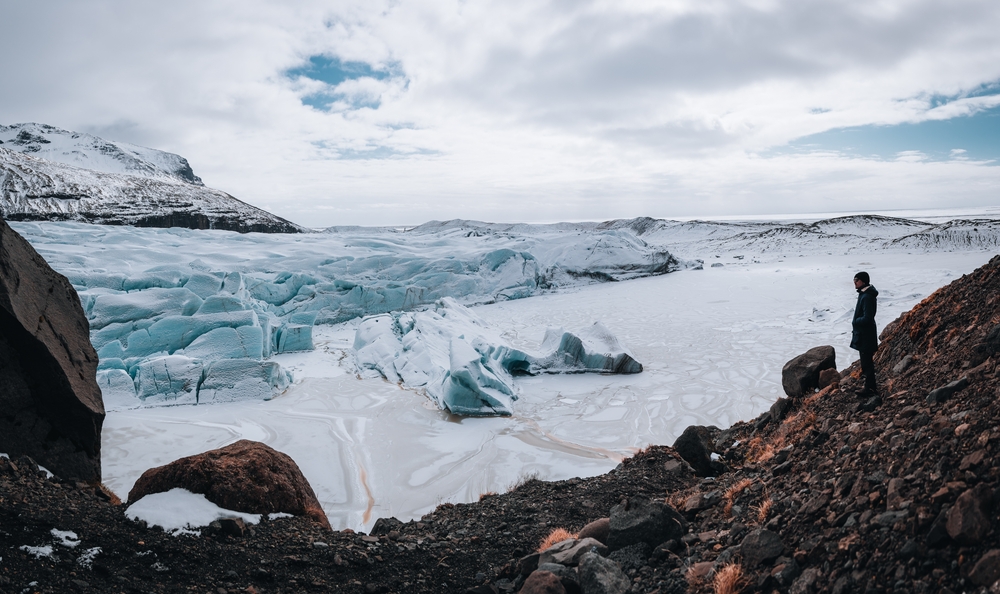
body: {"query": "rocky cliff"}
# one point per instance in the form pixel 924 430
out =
pixel 50 404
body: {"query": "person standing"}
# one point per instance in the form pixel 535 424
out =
pixel 864 339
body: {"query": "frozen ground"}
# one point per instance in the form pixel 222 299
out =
pixel 712 343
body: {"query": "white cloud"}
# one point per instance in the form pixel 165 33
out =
pixel 515 110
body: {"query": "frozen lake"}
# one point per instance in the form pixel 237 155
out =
pixel 712 342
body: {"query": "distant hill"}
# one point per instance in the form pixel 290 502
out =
pixel 47 173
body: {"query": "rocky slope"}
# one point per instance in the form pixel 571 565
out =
pixel 824 493
pixel 51 174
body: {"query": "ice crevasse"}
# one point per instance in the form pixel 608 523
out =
pixel 465 366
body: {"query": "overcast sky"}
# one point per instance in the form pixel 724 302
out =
pixel 399 112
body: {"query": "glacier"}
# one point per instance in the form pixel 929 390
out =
pixel 184 316
pixel 193 317
pixel 465 366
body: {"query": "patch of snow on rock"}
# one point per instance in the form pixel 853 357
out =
pixel 180 511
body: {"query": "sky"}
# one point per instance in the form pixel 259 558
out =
pixel 398 112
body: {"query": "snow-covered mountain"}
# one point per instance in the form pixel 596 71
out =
pixel 51 174
pixel 90 152
pixel 847 234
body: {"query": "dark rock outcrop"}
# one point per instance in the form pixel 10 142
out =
pixel 246 476
pixel 695 446
pixel 642 520
pixel 760 546
pixel 801 375
pixel 50 403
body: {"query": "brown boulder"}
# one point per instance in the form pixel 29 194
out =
pixel 969 518
pixel 828 377
pixel 987 570
pixel 50 401
pixel 598 530
pixel 543 582
pixel 801 375
pixel 246 476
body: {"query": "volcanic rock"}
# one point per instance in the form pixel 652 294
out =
pixel 601 576
pixel 801 375
pixel 246 476
pixel 50 404
pixel 569 551
pixel 598 529
pixel 543 582
pixel 939 395
pixel 969 519
pixel 695 446
pixel 760 546
pixel 828 377
pixel 642 520
pixel 779 409
pixel 986 571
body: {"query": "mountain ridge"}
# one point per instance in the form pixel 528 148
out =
pixel 42 178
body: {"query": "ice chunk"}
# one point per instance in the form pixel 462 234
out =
pixel 159 277
pixel 233 283
pixel 242 379
pixel 472 388
pixel 203 285
pixel 117 389
pixel 465 366
pixel 168 380
pixel 146 304
pixel 244 342
pixel 592 349
pixel 222 304
pixel 294 337
pixel 377 346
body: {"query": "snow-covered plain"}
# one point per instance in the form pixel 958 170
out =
pixel 711 341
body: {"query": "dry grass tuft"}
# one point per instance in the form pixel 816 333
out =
pixel 694 582
pixel 761 451
pixel 556 536
pixel 728 580
pixel 764 509
pixel 733 492
pixel 486 494
pixel 114 499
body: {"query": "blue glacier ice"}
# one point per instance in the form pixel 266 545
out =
pixel 465 366
pixel 167 305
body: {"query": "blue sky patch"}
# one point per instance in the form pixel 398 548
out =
pixel 332 72
pixel 975 137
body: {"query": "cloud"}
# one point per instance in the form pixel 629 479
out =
pixel 387 112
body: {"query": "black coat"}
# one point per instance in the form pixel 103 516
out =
pixel 865 336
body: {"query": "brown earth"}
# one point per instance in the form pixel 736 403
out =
pixel 838 495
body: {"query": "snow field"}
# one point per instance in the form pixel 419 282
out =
pixel 712 343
